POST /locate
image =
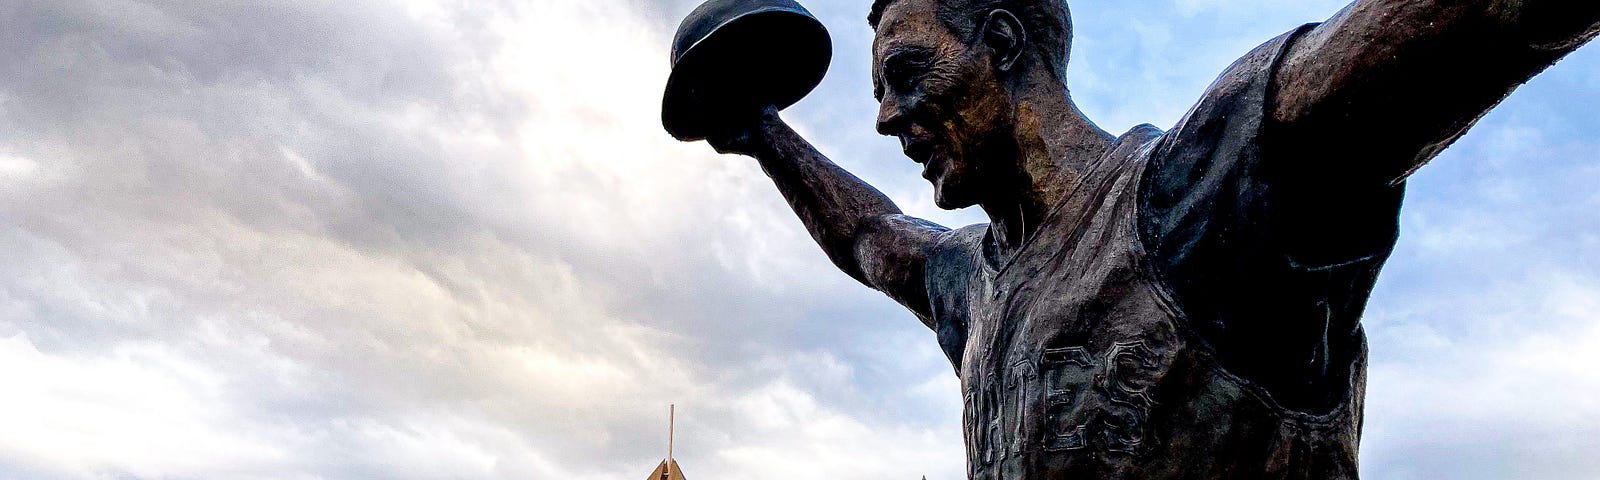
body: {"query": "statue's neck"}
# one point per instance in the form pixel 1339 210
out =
pixel 1055 146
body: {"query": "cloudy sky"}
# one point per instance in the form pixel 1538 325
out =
pixel 418 239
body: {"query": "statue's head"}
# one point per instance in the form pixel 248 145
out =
pixel 950 75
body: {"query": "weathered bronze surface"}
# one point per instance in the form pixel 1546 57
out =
pixel 1161 304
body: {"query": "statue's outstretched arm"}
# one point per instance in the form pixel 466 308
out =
pixel 1384 85
pixel 859 228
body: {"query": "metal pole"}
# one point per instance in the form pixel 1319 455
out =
pixel 672 414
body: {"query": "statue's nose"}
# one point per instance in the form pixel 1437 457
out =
pixel 891 117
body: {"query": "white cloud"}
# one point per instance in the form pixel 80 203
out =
pixel 1519 400
pixel 391 256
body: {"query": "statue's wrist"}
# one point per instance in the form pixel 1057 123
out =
pixel 770 133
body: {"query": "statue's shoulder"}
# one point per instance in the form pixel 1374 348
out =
pixel 955 254
pixel 966 240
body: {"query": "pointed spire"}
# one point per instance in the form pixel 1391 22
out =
pixel 668 469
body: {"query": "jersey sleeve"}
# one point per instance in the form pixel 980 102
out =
pixel 953 261
pixel 1272 267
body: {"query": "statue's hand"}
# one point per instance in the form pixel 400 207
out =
pixel 746 137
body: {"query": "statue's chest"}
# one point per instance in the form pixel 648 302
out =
pixel 1064 350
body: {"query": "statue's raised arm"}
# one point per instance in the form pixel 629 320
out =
pixel 1288 176
pixel 735 64
pixel 1385 85
pixel 859 228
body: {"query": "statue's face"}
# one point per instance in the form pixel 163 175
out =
pixel 940 95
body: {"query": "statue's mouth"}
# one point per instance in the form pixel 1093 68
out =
pixel 919 150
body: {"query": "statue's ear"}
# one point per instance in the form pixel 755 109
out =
pixel 1003 33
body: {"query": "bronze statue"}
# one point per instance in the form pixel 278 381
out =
pixel 1160 304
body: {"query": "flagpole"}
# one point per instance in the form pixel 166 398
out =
pixel 672 414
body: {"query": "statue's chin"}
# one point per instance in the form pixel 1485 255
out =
pixel 949 202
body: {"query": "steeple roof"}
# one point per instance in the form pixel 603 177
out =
pixel 668 470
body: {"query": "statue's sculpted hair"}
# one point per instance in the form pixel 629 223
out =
pixel 1047 23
